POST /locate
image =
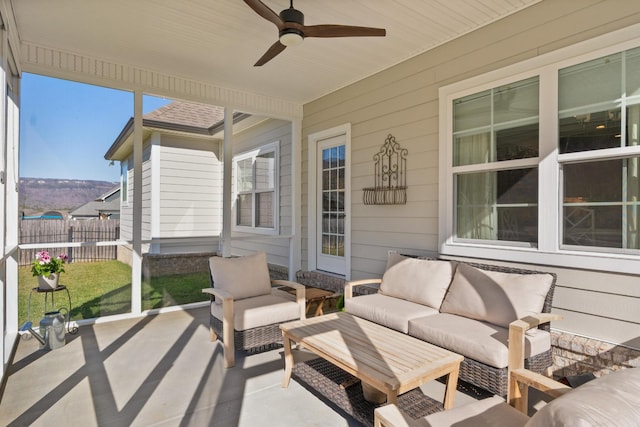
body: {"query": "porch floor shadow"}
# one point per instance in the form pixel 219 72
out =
pixel 160 370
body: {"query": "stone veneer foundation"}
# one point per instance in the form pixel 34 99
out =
pixel 163 265
pixel 574 355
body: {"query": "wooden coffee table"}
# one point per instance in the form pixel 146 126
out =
pixel 387 360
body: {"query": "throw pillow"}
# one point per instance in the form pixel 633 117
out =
pixel 418 280
pixel 495 297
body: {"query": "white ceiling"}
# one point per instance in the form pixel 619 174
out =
pixel 218 41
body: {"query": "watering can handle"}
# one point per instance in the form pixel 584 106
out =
pixel 65 314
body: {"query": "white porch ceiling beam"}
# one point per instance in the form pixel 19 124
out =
pixel 56 63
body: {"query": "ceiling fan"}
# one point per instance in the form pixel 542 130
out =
pixel 292 30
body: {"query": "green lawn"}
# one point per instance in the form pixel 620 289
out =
pixel 104 288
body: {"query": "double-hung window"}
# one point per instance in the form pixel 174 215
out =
pixel 495 156
pixel 599 117
pixel 543 166
pixel 256 185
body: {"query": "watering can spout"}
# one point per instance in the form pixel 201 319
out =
pixel 28 327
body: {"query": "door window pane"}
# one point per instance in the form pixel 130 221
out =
pixel 333 185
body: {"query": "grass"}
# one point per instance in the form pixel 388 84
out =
pixel 104 288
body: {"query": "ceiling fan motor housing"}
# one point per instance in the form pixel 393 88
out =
pixel 291 36
pixel 292 15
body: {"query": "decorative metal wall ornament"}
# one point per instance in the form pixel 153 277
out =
pixel 390 186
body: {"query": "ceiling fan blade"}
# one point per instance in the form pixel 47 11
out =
pixel 264 11
pixel 274 50
pixel 342 31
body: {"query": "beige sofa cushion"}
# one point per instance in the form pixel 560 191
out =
pixel 391 312
pixel 495 297
pixel 481 341
pixel 257 311
pixel 611 400
pixel 418 280
pixel 242 277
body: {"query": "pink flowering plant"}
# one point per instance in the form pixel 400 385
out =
pixel 45 265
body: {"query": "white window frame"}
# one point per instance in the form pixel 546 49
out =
pixel 266 148
pixel 548 251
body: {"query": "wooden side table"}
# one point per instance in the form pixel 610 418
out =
pixel 312 295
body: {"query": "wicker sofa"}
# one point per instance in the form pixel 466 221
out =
pixel 464 307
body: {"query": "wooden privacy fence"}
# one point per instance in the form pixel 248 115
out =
pixel 43 231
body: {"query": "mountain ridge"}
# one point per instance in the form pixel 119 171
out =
pixel 39 195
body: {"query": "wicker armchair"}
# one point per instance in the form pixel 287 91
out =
pixel 245 315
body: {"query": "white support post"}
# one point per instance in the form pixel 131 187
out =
pixel 136 270
pixel 295 245
pixel 227 165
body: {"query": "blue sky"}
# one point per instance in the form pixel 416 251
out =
pixel 66 127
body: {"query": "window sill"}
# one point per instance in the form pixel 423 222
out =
pixel 608 262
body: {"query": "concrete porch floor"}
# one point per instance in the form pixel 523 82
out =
pixel 159 370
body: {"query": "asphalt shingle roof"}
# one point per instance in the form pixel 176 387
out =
pixel 185 113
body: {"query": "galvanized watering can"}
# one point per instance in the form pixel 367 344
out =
pixel 52 330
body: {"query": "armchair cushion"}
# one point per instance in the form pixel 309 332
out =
pixel 611 400
pixel 418 280
pixel 259 311
pixel 242 277
pixel 495 297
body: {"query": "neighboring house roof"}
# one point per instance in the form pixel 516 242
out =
pixel 190 115
pixel 180 116
pixel 107 203
pixel 114 193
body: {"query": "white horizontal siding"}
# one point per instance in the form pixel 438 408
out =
pixel 189 245
pixel 190 189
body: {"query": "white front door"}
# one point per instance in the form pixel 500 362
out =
pixel 331 205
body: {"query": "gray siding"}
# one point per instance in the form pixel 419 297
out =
pixel 277 248
pixel 403 101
